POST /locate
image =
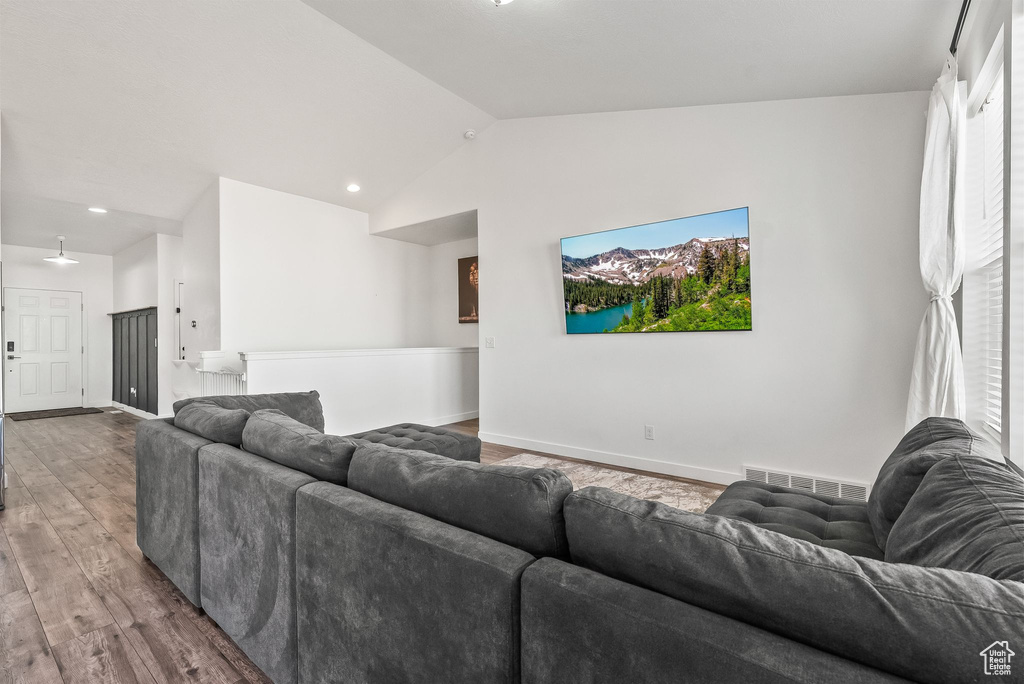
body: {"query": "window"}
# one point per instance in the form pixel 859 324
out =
pixel 983 268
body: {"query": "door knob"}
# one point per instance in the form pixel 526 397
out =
pixel 12 356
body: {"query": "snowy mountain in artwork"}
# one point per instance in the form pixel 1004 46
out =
pixel 623 266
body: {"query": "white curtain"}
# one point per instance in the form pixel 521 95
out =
pixel 937 382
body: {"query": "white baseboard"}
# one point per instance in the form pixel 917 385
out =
pixel 133 411
pixel 636 462
pixel 454 418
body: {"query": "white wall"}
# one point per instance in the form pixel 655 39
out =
pixel 454 186
pixel 135 276
pixel 820 384
pixel 93 277
pixel 174 379
pixel 445 329
pixel 145 275
pixel 300 274
pixel 200 251
pixel 267 271
pixel 373 388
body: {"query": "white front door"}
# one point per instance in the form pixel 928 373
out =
pixel 43 349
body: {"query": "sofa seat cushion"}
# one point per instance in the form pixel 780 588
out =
pixel 433 440
pixel 213 422
pixel 929 442
pixel 516 505
pixel 968 514
pixel 823 520
pixel 925 624
pixel 284 440
pixel 304 407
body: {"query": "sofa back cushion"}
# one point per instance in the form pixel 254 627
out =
pixel 880 614
pixel 282 439
pixel 519 506
pixel 968 514
pixel 212 422
pixel 304 407
pixel 930 441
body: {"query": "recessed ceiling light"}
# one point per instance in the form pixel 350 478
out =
pixel 353 188
pixel 98 210
pixel 502 2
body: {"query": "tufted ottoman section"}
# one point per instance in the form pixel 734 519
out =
pixel 434 440
pixel 824 520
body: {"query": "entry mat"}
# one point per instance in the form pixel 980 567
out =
pixel 52 413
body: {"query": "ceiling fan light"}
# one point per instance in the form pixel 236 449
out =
pixel 60 258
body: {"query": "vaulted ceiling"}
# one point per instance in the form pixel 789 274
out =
pixel 138 106
pixel 550 57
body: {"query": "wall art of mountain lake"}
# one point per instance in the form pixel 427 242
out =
pixel 686 274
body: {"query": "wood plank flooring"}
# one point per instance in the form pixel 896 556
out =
pixel 78 602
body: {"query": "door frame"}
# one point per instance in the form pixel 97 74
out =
pixel 3 337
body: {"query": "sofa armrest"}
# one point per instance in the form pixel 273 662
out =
pixel 167 502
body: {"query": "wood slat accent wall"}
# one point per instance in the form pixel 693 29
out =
pixel 135 359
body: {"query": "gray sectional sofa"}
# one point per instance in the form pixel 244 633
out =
pixel 348 559
pixel 167 467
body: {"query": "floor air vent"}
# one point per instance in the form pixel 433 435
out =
pixel 846 490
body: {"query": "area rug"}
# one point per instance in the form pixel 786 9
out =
pixel 685 495
pixel 52 413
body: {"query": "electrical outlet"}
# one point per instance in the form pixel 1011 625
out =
pixel 648 432
pixel 489 342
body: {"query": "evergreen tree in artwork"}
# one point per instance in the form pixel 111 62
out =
pixel 743 274
pixel 593 294
pixel 660 297
pixel 638 310
pixel 706 265
pixel 727 264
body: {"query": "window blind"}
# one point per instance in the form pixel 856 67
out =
pixel 983 270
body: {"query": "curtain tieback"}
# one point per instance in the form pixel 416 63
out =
pixel 937 297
